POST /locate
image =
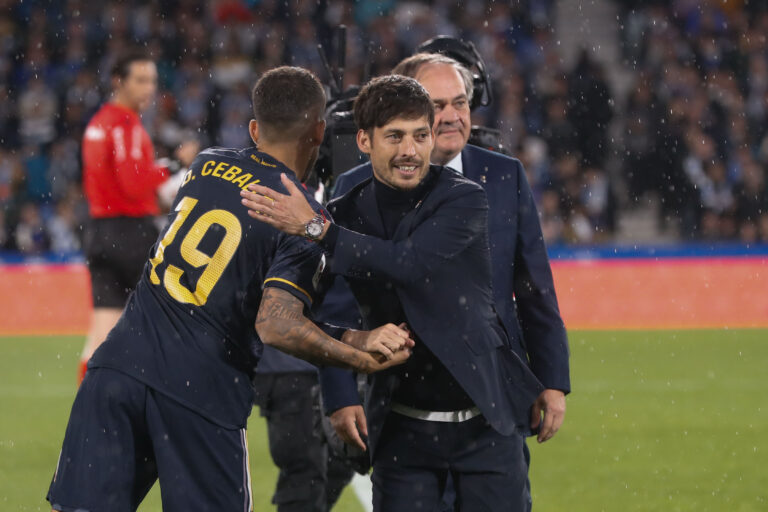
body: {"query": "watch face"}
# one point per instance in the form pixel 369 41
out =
pixel 314 228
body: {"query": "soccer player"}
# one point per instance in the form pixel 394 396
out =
pixel 121 178
pixel 168 394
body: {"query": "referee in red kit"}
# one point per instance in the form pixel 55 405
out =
pixel 121 178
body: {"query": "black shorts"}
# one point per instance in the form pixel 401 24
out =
pixel 123 435
pixel 116 250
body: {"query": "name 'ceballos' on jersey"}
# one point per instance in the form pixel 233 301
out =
pixel 188 329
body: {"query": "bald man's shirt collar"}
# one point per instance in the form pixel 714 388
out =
pixel 456 164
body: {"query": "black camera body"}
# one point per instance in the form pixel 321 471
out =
pixel 338 153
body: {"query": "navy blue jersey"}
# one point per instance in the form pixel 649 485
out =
pixel 188 329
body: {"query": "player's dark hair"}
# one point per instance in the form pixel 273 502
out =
pixel 286 99
pixel 122 65
pixel 387 97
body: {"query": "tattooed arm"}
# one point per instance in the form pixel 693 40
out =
pixel 281 323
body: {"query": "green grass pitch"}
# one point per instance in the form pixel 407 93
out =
pixel 659 420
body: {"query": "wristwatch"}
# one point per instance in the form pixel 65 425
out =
pixel 314 228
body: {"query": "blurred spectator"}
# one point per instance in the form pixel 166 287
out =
pixel 8 119
pixel 36 164
pixel 559 132
pixel 551 218
pixel 590 109
pixel 38 108
pixel 302 46
pixel 4 241
pixel 9 169
pixel 64 169
pixel 751 196
pixel 63 227
pixel 31 236
pixel 641 163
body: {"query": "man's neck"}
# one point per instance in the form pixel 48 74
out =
pixel 442 159
pixel 118 100
pixel 287 154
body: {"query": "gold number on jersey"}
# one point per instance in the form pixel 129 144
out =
pixel 184 207
pixel 214 265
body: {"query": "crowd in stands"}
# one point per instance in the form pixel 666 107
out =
pixel 694 123
pixel 696 120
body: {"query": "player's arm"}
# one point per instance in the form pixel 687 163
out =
pixel 281 323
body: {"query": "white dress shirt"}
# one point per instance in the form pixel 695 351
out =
pixel 456 164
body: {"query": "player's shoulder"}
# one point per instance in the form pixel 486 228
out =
pixel 106 123
pixel 242 160
pixel 268 168
pixel 111 115
pixel 221 152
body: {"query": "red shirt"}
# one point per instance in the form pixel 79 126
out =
pixel 119 170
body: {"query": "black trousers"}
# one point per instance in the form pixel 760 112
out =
pixel 414 459
pixel 311 477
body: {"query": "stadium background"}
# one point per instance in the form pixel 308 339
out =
pixel 642 126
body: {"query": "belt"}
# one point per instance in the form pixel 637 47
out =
pixel 441 416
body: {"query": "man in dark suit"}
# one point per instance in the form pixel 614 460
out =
pixel 412 242
pixel 522 280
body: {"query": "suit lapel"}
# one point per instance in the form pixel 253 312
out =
pixel 368 207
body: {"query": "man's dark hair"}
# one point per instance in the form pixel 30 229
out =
pixel 286 100
pixel 122 66
pixel 387 97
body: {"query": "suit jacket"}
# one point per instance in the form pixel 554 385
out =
pixel 522 279
pixel 439 263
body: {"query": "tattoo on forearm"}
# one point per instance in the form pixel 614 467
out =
pixel 278 309
pixel 281 318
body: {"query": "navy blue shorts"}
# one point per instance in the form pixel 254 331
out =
pixel 123 435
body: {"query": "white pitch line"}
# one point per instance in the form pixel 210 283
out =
pixel 363 490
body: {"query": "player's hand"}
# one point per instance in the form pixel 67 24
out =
pixel 186 152
pixel 349 423
pixel 288 213
pixel 385 340
pixel 372 363
pixel 551 402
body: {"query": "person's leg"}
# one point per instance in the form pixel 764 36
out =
pixel 108 299
pixel 339 473
pixel 340 467
pixel 296 441
pixel 106 461
pixel 490 471
pixel 102 321
pixel 410 467
pixel 201 466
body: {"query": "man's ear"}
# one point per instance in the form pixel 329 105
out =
pixel 253 129
pixel 364 142
pixel 319 132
